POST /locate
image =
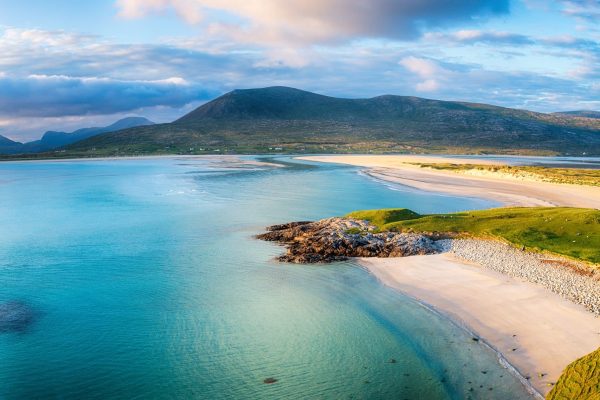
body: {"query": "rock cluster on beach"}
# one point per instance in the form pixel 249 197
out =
pixel 336 239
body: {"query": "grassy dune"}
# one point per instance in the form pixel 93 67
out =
pixel 570 232
pixel 575 176
pixel 580 380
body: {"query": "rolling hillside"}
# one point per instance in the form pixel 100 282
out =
pixel 581 113
pixel 280 119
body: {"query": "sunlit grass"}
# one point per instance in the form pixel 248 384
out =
pixel 576 176
pixel 571 232
pixel 580 380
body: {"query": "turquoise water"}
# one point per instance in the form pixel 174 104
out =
pixel 144 281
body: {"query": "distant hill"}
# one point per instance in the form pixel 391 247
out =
pixel 52 140
pixel 7 145
pixel 280 119
pixel 581 113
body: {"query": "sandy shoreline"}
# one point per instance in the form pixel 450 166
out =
pixel 546 331
pixel 532 327
pixel 514 192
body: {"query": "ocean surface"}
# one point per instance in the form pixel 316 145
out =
pixel 141 279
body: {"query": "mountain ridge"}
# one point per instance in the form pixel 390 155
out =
pixel 580 113
pixel 54 139
pixel 7 145
pixel 287 120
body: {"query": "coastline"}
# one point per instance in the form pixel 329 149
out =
pixel 536 323
pixel 494 307
pixel 232 158
pixel 509 192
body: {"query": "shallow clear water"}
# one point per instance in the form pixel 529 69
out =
pixel 146 283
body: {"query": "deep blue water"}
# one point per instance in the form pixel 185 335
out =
pixel 144 281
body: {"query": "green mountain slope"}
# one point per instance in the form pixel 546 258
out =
pixel 280 119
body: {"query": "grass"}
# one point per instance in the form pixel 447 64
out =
pixel 576 176
pixel 570 232
pixel 580 380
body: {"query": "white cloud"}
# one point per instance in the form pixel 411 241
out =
pixel 473 36
pixel 429 85
pixel 428 70
pixel 186 9
pixel 423 67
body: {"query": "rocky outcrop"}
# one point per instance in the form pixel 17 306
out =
pixel 336 239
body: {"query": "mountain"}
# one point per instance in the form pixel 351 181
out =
pixel 280 119
pixel 581 113
pixel 52 140
pixel 7 145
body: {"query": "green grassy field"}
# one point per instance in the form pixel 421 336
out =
pixel 570 232
pixel 576 176
pixel 580 380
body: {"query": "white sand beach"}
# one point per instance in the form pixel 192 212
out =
pixel 509 191
pixel 534 329
pixel 538 332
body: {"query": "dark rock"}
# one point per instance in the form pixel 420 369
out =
pixel 336 239
pixel 15 316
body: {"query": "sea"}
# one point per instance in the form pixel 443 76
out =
pixel 142 279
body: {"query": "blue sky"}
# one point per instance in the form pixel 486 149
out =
pixel 69 64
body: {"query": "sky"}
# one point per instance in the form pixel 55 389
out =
pixel 67 64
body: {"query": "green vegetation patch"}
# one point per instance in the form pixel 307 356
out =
pixel 570 232
pixel 574 176
pixel 580 380
pixel 385 216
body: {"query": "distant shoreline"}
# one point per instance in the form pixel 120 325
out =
pixel 510 192
pixel 232 158
pixel 441 155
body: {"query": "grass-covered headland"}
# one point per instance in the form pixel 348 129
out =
pixel 570 232
pixel 580 380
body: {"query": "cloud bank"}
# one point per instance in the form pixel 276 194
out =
pixel 52 96
pixel 320 21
